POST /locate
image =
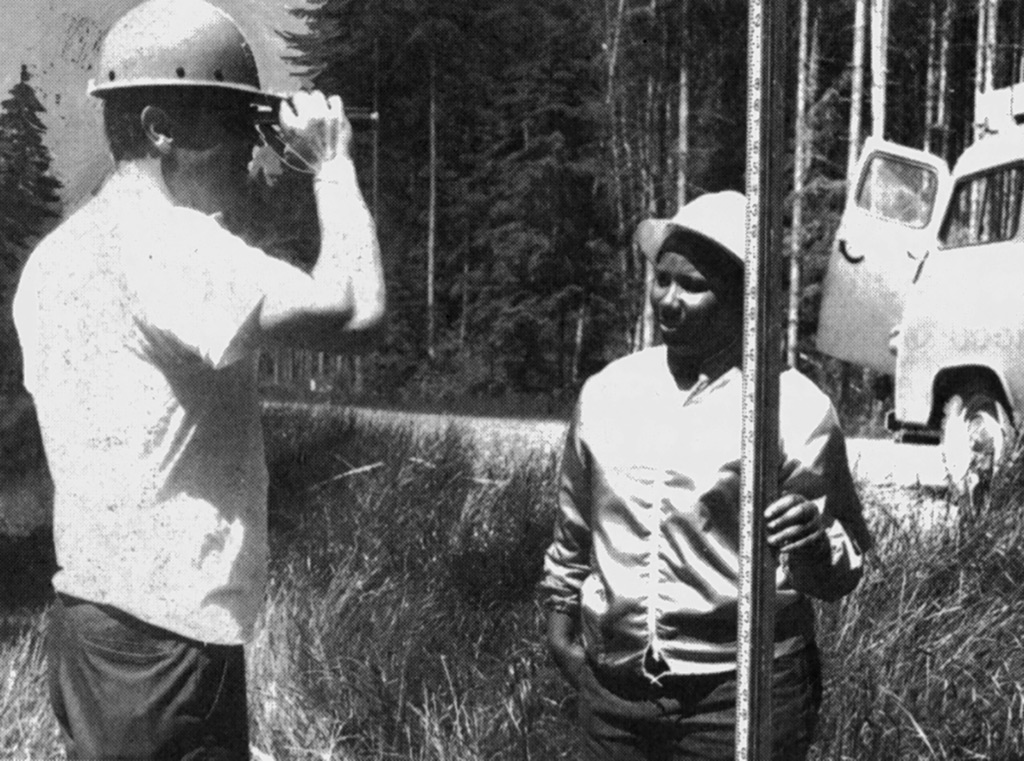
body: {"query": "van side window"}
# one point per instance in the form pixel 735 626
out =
pixel 985 208
pixel 898 190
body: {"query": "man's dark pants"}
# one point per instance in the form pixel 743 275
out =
pixel 694 717
pixel 121 688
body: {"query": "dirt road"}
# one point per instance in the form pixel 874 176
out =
pixel 903 481
pixel 894 472
pixel 878 461
pixel 492 434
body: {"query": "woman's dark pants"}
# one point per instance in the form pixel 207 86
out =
pixel 694 717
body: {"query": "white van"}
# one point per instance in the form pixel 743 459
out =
pixel 926 283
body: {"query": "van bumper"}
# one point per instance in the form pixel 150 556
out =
pixel 911 433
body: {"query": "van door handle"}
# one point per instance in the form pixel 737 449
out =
pixel 844 249
pixel 920 265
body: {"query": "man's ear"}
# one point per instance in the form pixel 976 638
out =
pixel 158 127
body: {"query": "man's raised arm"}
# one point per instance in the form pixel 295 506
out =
pixel 344 292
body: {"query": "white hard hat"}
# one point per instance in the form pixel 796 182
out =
pixel 719 217
pixel 176 43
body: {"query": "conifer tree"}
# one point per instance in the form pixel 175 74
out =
pixel 519 232
pixel 29 202
pixel 556 130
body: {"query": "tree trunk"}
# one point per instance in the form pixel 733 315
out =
pixel 648 156
pixel 1017 63
pixel 645 331
pixel 683 144
pixel 577 353
pixel 613 46
pixel 940 30
pixel 376 131
pixel 879 64
pixel 357 374
pixel 287 368
pixel 611 105
pixel 614 15
pixel 650 194
pixel 879 76
pixel 813 71
pixel 432 208
pixel 931 92
pixel 945 46
pixel 621 162
pixel 1013 46
pixel 560 358
pixel 991 49
pixel 982 62
pixel 357 361
pixel 357 365
pixel 799 166
pixel 464 314
pixel 856 87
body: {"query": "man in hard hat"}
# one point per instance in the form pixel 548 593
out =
pixel 140 318
pixel 641 578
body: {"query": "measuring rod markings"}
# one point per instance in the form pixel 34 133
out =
pixel 744 618
pixel 755 614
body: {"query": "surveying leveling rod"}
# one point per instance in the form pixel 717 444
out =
pixel 761 365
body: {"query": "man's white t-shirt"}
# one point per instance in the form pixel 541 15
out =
pixel 138 321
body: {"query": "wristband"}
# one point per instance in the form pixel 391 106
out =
pixel 336 172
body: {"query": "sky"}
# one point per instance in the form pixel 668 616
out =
pixel 59 42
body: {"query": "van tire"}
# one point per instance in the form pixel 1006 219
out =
pixel 976 436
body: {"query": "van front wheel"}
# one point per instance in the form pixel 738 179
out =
pixel 976 434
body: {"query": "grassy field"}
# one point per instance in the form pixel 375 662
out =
pixel 401 620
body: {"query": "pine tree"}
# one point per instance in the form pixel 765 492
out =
pixel 516 237
pixel 557 129
pixel 547 226
pixel 29 202
pixel 28 191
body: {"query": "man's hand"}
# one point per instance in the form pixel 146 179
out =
pixel 344 293
pixel 565 647
pixel 315 129
pixel 795 527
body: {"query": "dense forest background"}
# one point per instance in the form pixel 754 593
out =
pixel 519 142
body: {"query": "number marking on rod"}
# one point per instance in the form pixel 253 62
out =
pixel 761 365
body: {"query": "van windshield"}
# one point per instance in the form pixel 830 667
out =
pixel 898 190
pixel 985 208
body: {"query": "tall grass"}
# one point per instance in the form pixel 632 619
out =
pixel 27 728
pixel 401 621
pixel 927 658
pixel 442 638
